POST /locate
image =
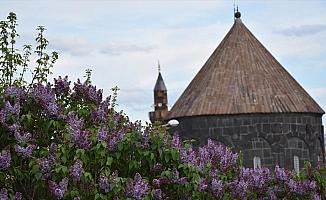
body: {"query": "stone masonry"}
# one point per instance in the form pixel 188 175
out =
pixel 275 138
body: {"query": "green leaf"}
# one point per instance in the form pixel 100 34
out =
pixel 109 161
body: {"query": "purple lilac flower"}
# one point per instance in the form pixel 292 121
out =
pixel 104 183
pixel 15 127
pixel 156 182
pixel 102 134
pixel 137 188
pixel 115 138
pixel 87 92
pixel 17 92
pixel 301 187
pixel 189 156
pixel 5 159
pixel 158 194
pixel 75 124
pixel 15 109
pixel 3 194
pixel 316 197
pixel 61 86
pixel 81 139
pixel 257 179
pixel 58 190
pixel 76 170
pixel 182 180
pixel 164 180
pixel 46 165
pixel 145 138
pixel 24 151
pixel 22 136
pixel 3 116
pixel 53 150
pixel 175 175
pixel 76 198
pixel 202 185
pixel 176 141
pixel 45 96
pixel 281 174
pixel 18 196
pixel 239 189
pixel 136 126
pixel 100 113
pixel 157 167
pixel 213 173
pixel 216 187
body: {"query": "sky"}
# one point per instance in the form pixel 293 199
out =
pixel 122 41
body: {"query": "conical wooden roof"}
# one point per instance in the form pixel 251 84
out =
pixel 240 77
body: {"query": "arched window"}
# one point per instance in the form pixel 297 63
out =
pixel 257 162
pixel 296 164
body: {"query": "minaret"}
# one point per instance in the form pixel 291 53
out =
pixel 160 99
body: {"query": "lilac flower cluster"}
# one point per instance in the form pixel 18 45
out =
pixel 76 170
pixel 217 156
pixel 202 185
pixel 12 109
pixel 87 92
pixel 3 194
pixel 107 183
pixel 5 159
pixel 25 151
pixel 46 165
pixel 176 141
pixel 102 134
pixel 80 138
pixel 101 112
pixel 257 179
pixel 18 196
pixel 45 96
pixel 217 187
pixel 158 195
pixel 138 188
pixel 16 93
pixel 21 136
pixel 58 189
pixel 61 86
pixel 104 183
pixel 115 138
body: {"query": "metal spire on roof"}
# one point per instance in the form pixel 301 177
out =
pixel 159 66
pixel 237 14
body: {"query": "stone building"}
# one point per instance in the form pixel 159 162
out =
pixel 244 98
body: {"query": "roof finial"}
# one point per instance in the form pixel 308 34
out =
pixel 158 66
pixel 237 14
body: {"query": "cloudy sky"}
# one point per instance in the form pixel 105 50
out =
pixel 121 41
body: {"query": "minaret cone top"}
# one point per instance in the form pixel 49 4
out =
pixel 160 86
pixel 241 77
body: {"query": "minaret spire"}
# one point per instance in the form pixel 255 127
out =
pixel 160 99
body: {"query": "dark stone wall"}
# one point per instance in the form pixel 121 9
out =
pixel 275 138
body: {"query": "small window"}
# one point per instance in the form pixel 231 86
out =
pixel 318 158
pixel 296 164
pixel 257 162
